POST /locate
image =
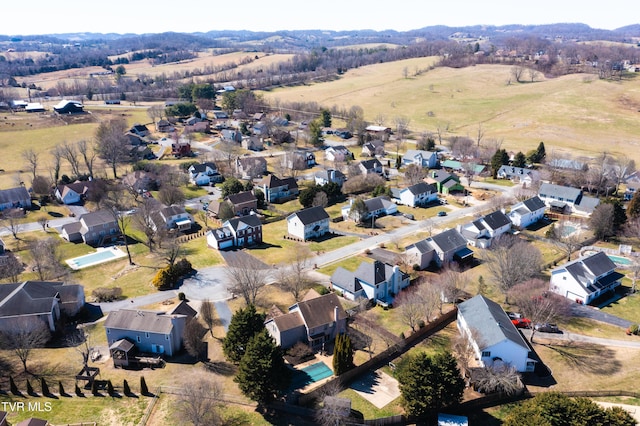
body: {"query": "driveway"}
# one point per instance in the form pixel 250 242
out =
pixel 596 314
pixel 377 387
pixel 207 283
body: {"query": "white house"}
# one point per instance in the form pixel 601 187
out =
pixel 173 217
pixel 376 281
pixel 481 232
pixel 519 174
pixel 323 177
pixel 372 166
pixel 492 335
pixel 445 247
pixel 416 195
pixel 420 158
pixel 527 212
pixel 586 278
pixel 565 199
pixel 338 153
pixel 376 207
pixel 204 174
pixel 308 223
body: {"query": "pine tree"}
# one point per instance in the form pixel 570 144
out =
pixel 61 388
pixel 110 389
pixel 144 390
pixel 43 386
pixel 520 160
pixel 126 388
pixel 342 354
pixel 12 386
pixel 262 373
pixel 245 323
pixel 541 153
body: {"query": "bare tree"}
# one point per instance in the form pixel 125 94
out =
pixel 155 112
pixel 117 200
pixel 200 402
pixel 11 221
pixel 31 158
pixel 511 260
pixel 464 350
pixel 402 127
pixel 207 313
pixel 479 135
pixel 111 143
pixel 192 337
pixel 568 241
pixel 10 267
pixel 601 221
pixel 428 225
pixel 517 71
pixel 538 304
pixel 169 245
pixel 70 153
pixel 23 334
pixel 56 163
pixel 414 174
pixel 621 167
pixel 410 308
pixel 441 131
pixel 247 276
pixel 333 412
pixel 143 220
pixel 451 283
pixel 170 195
pixel 79 340
pixel 88 155
pixel 292 277
pixel 46 259
pixel 502 377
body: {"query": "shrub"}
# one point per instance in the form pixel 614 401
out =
pixel 402 336
pixel 103 294
pixel 633 329
pixel 181 296
pixel 416 267
pixel 421 324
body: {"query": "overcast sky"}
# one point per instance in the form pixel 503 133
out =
pixel 143 16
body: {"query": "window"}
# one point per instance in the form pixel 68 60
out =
pixel 138 339
pixel 108 330
pixel 166 337
pixel 146 334
pixel 486 354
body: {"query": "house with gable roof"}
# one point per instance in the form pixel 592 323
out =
pixel 519 174
pixel 442 248
pixel 527 212
pixel 447 183
pixel 373 148
pixel 586 278
pixel 14 198
pixel 493 337
pixel 173 217
pixel 481 232
pixel 236 232
pixel 204 173
pixel 417 195
pixel 309 223
pixel 73 193
pixel 376 207
pixel 338 153
pixel 420 158
pixel 148 331
pixel 94 228
pixel 314 320
pixel 373 166
pixel 279 190
pixel 567 200
pixel 251 167
pixel 323 177
pixel 376 281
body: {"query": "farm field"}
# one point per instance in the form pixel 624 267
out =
pixel 575 113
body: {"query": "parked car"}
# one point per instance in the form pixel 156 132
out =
pixel 442 213
pixel 547 328
pixel 522 322
pixel 408 216
pixel 514 315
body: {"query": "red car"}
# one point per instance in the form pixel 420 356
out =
pixel 522 322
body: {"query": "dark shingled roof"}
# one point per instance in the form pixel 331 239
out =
pixel 534 203
pixel 421 188
pixel 273 181
pixel 449 240
pixel 320 310
pixel 122 345
pixel 288 321
pixel 497 220
pixel 184 308
pixel 311 215
pixel 29 297
pixel 346 280
pixel 242 197
pixel 371 164
pixel 422 246
pixel 13 194
pixel 97 218
pixel 153 322
pixel 237 223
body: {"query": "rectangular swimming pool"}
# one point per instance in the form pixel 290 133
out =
pixel 310 374
pixel 102 255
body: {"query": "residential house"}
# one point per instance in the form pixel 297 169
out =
pixel 42 300
pixel 94 228
pixel 134 139
pixel 420 158
pixel 466 168
pixel 260 129
pixel 73 193
pixel 204 174
pixel 376 281
pixel 442 248
pixel 527 212
pixel 15 198
pixel 379 132
pixel 519 174
pixel 481 232
pixel 417 195
pixel 447 183
pixel 584 279
pixel 237 232
pixel 251 167
pixel 140 152
pixel 140 181
pixel 69 107
pixel 338 153
pixel 323 177
pixel 373 148
pixel 315 321
pixel 567 200
pixel 493 337
pixel 299 160
pixel 165 126
pixel 198 126
pixel 376 207
pixel 140 130
pixel 253 143
pixel 220 115
pixel 151 332
pixel 279 190
pixel 372 166
pixel 309 223
pixel 231 135
pixel 566 164
pixel 243 203
pixel 3 418
pixel 173 217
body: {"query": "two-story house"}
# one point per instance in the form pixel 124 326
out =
pixel 527 212
pixel 376 281
pixel 584 279
pixel 481 232
pixel 373 166
pixel 299 160
pixel 204 174
pixel 251 167
pixel 420 158
pixel 95 228
pixel 173 217
pixel 237 232
pixel 567 200
pixel 73 193
pixel 338 153
pixel 447 183
pixel 152 332
pixel 442 248
pixel 316 321
pixel 309 223
pixel 417 195
pixel 323 177
pixel 242 203
pixel 279 190
pixel 373 148
pixel 376 207
pixel 492 335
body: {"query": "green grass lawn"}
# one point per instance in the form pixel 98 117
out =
pixel 628 307
pixel 367 409
pixel 350 264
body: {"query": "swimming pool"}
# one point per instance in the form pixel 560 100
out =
pixel 310 374
pixel 618 260
pixel 104 254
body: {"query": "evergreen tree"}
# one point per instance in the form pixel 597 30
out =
pixel 342 354
pixel 429 383
pixel 315 132
pixel 326 117
pixel 43 386
pixel 307 195
pixel 125 388
pixel 499 159
pixel 144 390
pixel 619 213
pixel 541 153
pixel 226 211
pixel 633 208
pixel 520 160
pixel 12 386
pixel 262 373
pixel 245 323
pixel 231 186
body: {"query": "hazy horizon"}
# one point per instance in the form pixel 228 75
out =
pixel 122 17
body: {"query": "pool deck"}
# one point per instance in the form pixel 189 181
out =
pixel 117 254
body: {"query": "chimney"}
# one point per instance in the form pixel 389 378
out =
pixel 335 314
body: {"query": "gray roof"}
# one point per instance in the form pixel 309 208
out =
pixel 559 191
pixel 311 215
pixel 273 181
pixel 449 240
pixel 346 280
pixel 377 203
pixel 152 322
pixel 586 268
pixel 534 203
pixel 288 321
pixel 496 220
pixel 371 164
pixel 27 298
pixel 422 246
pixel 374 273
pixel 412 153
pixel 173 210
pixel 421 188
pixel 324 174
pixel 490 322
pixel 242 197
pixel 588 204
pixel 13 195
pixel 251 221
pixel 97 218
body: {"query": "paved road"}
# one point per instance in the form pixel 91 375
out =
pixel 596 314
pixel 135 302
pixel 574 337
